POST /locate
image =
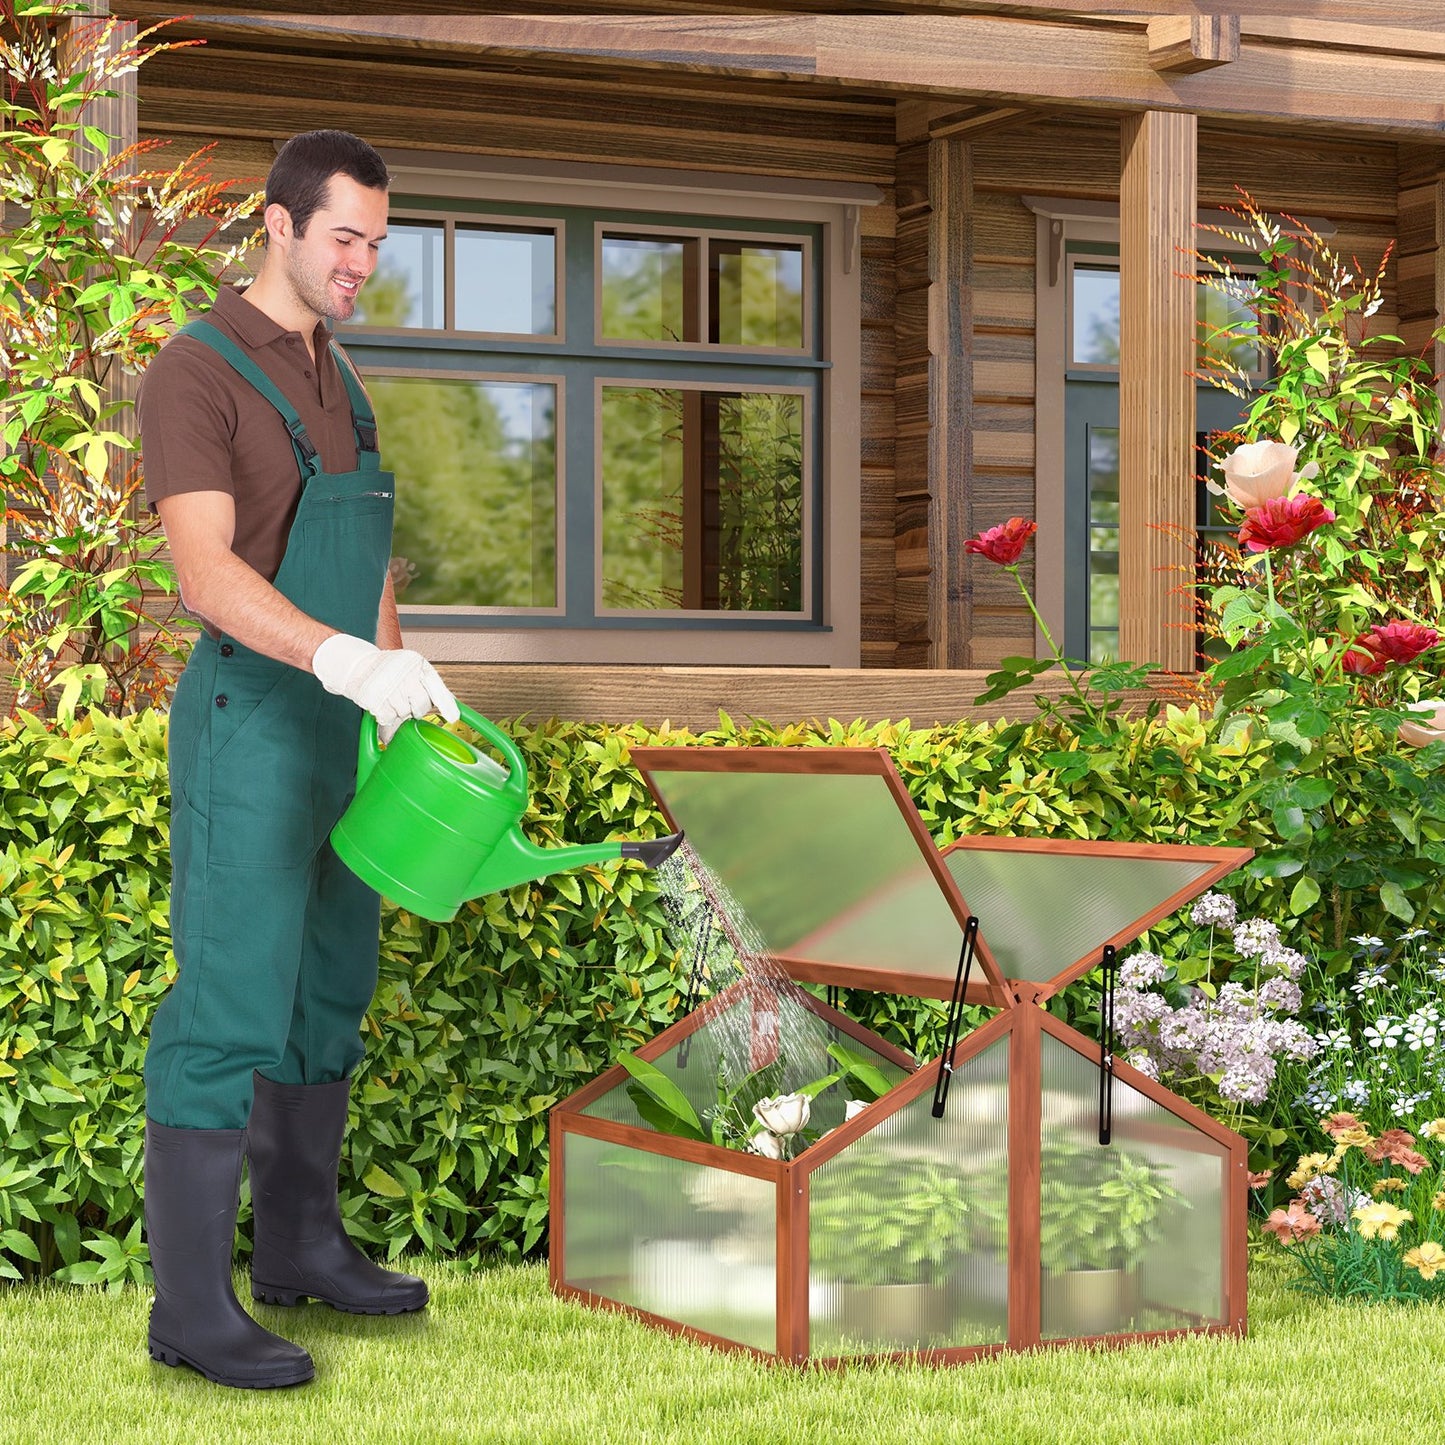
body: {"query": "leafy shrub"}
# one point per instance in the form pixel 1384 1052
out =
pixel 478 1026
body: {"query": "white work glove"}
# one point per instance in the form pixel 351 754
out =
pixel 391 684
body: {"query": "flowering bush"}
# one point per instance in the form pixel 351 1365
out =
pixel 1379 1036
pixel 1328 599
pixel 1215 1024
pixel 1368 1213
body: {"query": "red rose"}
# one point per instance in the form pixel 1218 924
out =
pixel 1362 664
pixel 1397 641
pixel 1003 544
pixel 1282 521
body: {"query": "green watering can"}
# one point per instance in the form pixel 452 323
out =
pixel 435 822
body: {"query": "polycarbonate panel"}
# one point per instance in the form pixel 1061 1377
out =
pixel 825 866
pixel 1100 1276
pixel 1040 912
pixel 908 1227
pixel 694 1244
pixel 760 1028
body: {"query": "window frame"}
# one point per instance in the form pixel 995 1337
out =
pixel 449 220
pixel 487 189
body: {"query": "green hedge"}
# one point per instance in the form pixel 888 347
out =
pixel 479 1026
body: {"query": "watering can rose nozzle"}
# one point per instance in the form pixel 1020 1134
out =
pixel 654 851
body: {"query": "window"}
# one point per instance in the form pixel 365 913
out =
pixel 1091 410
pixel 608 428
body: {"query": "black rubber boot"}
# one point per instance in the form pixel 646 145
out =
pixel 301 1249
pixel 192 1187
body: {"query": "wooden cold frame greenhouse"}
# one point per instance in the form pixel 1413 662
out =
pixel 1023 1189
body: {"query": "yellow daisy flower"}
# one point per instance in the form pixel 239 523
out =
pixel 1427 1258
pixel 1380 1221
pixel 1389 1185
pixel 1311 1166
pixel 1435 1129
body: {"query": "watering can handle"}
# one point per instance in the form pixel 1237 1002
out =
pixel 369 749
pixel 516 763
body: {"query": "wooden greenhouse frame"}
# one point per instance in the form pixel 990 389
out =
pixel 1029 1034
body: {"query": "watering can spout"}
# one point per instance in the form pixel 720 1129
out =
pixel 516 859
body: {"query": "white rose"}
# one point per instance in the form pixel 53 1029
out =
pixel 1258 472
pixel 853 1108
pixel 785 1114
pixel 1430 729
pixel 768 1145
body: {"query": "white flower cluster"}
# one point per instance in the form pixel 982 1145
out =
pixel 1214 910
pixel 1239 1036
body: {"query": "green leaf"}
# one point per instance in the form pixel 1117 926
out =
pixel 1304 896
pixel 1396 903
pixel 651 1078
pixel 862 1071
pixel 379 1181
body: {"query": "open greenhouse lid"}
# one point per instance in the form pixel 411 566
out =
pixel 824 851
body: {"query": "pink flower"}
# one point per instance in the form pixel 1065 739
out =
pixel 1291 1225
pixel 1430 728
pixel 1258 1181
pixel 1397 641
pixel 1260 472
pixel 1003 544
pixel 1282 522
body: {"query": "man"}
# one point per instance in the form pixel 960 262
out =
pixel 261 460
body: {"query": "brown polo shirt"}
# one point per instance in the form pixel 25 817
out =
pixel 204 428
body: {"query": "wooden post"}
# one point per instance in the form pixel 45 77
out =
pixel 950 396
pixel 1156 391
pixel 1025 1132
pixel 912 516
pixel 1420 260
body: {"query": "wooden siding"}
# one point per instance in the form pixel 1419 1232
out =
pixel 676 119
pixel 435 103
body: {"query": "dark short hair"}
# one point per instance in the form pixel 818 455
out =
pixel 301 173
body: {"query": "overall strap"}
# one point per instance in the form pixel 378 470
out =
pixel 363 419
pixel 307 456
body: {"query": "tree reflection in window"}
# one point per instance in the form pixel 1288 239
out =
pixel 476 494
pixel 702 500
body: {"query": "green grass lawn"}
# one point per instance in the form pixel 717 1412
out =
pixel 496 1358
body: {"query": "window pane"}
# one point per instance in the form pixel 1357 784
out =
pixel 649 289
pixel 702 497
pixel 476 489
pixel 405 290
pixel 756 294
pixel 506 280
pixel 1217 312
pixel 1103 544
pixel 1095 328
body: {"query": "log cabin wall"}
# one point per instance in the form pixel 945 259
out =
pixel 910 602
pixel 1354 185
pixel 671 120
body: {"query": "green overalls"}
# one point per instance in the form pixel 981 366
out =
pixel 275 938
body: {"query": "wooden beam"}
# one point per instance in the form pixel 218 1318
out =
pixel 1184 44
pixel 1402 14
pixel 689 697
pixel 1097 63
pixel 1157 201
pixel 976 120
pixel 950 397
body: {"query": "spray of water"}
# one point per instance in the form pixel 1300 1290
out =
pixel 719 946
